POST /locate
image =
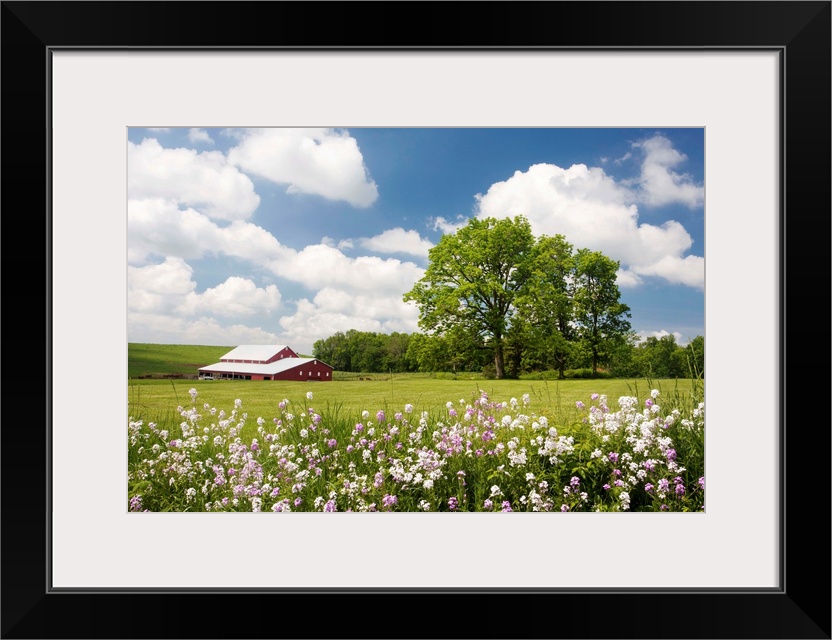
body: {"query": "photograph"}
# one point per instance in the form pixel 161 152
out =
pixel 460 264
pixel 509 319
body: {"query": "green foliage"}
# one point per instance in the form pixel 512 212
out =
pixel 472 280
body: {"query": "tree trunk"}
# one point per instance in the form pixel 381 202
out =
pixel 498 362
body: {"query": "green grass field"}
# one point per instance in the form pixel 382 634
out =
pixel 350 393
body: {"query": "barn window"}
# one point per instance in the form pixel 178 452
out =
pixel 319 374
pixel 300 373
pixel 327 374
pixel 310 373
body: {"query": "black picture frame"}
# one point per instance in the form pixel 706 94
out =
pixel 800 608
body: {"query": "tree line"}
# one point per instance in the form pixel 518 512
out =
pixel 370 352
pixel 497 299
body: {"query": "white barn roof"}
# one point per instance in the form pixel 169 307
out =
pixel 254 352
pixel 271 369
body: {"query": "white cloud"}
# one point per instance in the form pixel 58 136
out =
pixel 158 227
pixel 171 329
pixel 627 279
pixel 658 184
pixel 159 129
pixel 333 310
pixel 199 135
pixel 158 287
pixel 235 298
pixel 398 241
pixel 688 271
pixel 593 211
pixel 323 162
pixel 446 226
pixel 318 266
pixel 205 181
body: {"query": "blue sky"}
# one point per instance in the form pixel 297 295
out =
pixel 286 236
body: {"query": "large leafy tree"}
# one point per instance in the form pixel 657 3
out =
pixel 600 317
pixel 472 281
pixel 545 307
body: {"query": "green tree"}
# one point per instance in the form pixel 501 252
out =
pixel 472 280
pixel 545 308
pixel 600 317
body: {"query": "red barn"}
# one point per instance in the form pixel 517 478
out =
pixel 267 362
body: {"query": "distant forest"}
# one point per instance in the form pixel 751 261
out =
pixel 369 352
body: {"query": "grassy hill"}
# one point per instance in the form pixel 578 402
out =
pixel 160 360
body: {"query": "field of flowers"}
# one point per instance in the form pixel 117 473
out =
pixel 476 455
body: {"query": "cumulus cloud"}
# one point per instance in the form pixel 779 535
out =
pixel 627 279
pixel 318 266
pixel 199 135
pixel 184 177
pixel 159 227
pixel 688 271
pixel 658 184
pixel 323 162
pixel 446 226
pixel 158 287
pixel 235 298
pixel 168 287
pixel 170 329
pixel 398 241
pixel 593 210
pixel 333 310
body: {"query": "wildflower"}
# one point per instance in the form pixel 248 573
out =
pixel 453 503
pixel 238 403
pixel 506 506
pixel 664 507
pixel 424 505
pixel 575 481
pixel 487 504
pixel 193 394
pixel 606 487
pixel 671 454
pixel 680 489
pixel 579 405
pixel 594 396
pixel 389 500
pixel 701 482
pixel 654 393
pixel 564 508
pixel 136 503
pixel 329 507
pixel 308 395
pixel 648 487
pixel 408 408
pixel 613 457
pixel 380 416
pixel 495 491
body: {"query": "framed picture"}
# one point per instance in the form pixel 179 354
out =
pixel 754 76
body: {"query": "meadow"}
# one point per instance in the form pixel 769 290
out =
pixel 412 442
